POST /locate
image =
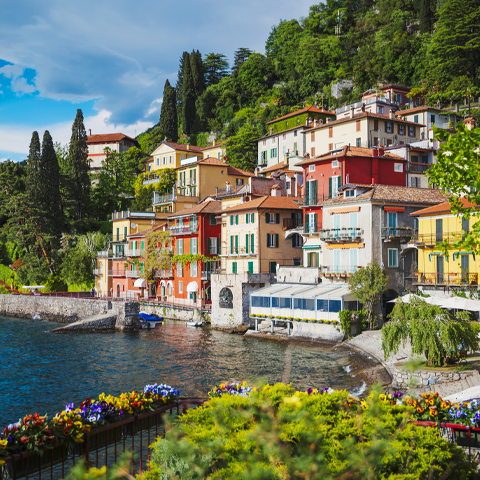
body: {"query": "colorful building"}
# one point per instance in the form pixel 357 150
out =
pixel 259 234
pixel 196 235
pixel 436 271
pixel 170 154
pixel 216 150
pixel 116 142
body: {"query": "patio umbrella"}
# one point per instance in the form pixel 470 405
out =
pixel 460 303
pixel 409 296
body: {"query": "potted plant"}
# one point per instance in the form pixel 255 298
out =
pixel 297 319
pixel 313 320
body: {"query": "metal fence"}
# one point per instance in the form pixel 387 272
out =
pixel 435 278
pixel 101 447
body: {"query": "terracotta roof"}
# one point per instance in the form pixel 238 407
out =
pixel 211 206
pixel 422 108
pixel 144 232
pixel 270 203
pixel 274 168
pixel 109 137
pixel 357 116
pixel 218 144
pixel 296 127
pixel 349 151
pixel 443 208
pixel 148 160
pixel 212 161
pixel 391 193
pixel 181 146
pixel 299 112
pixel 396 85
pixel 239 172
pixel 219 163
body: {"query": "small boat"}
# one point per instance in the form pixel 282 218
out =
pixel 148 320
pixel 191 323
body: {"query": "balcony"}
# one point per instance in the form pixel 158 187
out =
pixel 339 271
pixel 183 229
pixel 151 178
pixel 446 279
pixel 232 190
pixel 166 198
pixel 133 273
pixel 97 272
pixel 289 223
pixel 312 200
pixel 206 275
pixel 418 167
pixel 138 252
pixel 426 240
pixel 341 235
pixel 163 273
pixel 104 254
pixel 116 273
pixel 397 232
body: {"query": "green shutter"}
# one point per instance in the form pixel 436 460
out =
pixel 268 239
pixel 317 259
pixel 234 267
pixel 307 223
pixel 142 245
pixel 218 247
pixel 246 219
pixel 250 267
pixel 307 190
pixel 276 240
pixel 236 219
pixel 246 243
pixel 209 247
pixel 252 245
pixel 309 260
pixel 125 232
pixel 315 222
pixel 236 243
pixel 231 219
pixel 339 181
pixel 231 244
pixel 330 187
pixel 253 218
pixel 277 218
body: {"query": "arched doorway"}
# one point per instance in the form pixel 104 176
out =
pixel 387 307
pixel 226 298
pixel 118 290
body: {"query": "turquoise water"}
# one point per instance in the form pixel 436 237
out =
pixel 41 372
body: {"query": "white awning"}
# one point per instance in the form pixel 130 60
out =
pixel 460 303
pixel 192 287
pixel 162 283
pixel 169 283
pixel 140 283
pixel 33 286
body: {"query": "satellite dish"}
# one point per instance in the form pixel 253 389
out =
pixel 134 225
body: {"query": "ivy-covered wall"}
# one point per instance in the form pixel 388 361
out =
pixel 296 120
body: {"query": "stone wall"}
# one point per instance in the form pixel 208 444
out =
pixel 98 323
pixel 317 331
pixel 69 310
pixel 176 313
pixel 402 378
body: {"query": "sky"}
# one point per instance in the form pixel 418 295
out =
pixel 111 59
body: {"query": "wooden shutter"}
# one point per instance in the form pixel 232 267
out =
pixel 317 259
pixel 246 243
pixel 315 222
pixel 293 241
pixel 277 218
pixel 330 187
pixel 231 244
pixel 358 125
pixel 339 181
pixel 236 244
pixel 209 247
pixel 307 223
pixel 246 218
pixel 330 132
pixel 375 125
pixel 252 244
pixel 231 219
pixel 253 218
pixel 267 218
pixel 276 240
pixel 236 219
pixel 307 190
pixel 309 260
pixel 314 192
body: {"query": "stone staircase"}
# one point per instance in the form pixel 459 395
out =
pixel 10 289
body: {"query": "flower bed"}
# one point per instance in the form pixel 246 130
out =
pixel 34 433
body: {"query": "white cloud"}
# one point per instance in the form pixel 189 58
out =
pixel 19 83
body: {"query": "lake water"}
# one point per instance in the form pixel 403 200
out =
pixel 41 372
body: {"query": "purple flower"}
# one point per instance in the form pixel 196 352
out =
pixel 310 391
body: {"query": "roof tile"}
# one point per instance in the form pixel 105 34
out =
pixel 268 202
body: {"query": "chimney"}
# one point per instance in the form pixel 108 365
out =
pixel 214 141
pixel 469 123
pixel 276 191
pixel 308 121
pixel 315 122
pixel 352 112
pixel 188 146
pixel 381 152
pixel 329 119
pixel 392 114
pixel 320 121
pixel 90 132
pixel 375 152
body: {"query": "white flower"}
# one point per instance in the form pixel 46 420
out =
pixel 448 154
pixel 477 150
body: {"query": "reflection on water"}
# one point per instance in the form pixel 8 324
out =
pixel 42 372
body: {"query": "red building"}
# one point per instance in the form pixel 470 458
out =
pixel 325 174
pixel 195 232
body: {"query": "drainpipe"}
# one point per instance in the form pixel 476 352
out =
pixel 382 215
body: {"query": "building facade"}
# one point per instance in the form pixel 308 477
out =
pixel 116 142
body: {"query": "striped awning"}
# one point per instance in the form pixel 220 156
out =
pixel 344 210
pixel 311 247
pixel 394 209
pixel 345 245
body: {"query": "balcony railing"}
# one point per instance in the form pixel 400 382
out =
pixel 166 198
pixel 434 278
pixel 104 254
pixel 424 239
pixel 135 252
pixel 232 190
pixel 133 273
pixel 206 275
pixel 339 235
pixel 312 200
pixel 289 223
pixel 116 273
pixel 183 229
pixel 120 237
pixel 418 167
pixel 338 270
pixel 163 273
pixel 97 272
pixel 397 232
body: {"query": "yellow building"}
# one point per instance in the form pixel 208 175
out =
pixel 254 235
pixel 435 270
pixel 170 154
pixel 216 150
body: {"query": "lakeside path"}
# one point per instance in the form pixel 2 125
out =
pixel 370 343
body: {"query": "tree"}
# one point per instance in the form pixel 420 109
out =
pixel 77 169
pixel 179 84
pixel 151 139
pixel 168 116
pixel 432 332
pixel 166 179
pixel 198 74
pixel 366 285
pixel 427 8
pixel 77 267
pixel 188 99
pixel 158 253
pixel 457 172
pixel 240 57
pixel 215 67
pixel 241 150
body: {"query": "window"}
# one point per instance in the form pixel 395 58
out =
pixel 311 168
pixel 212 245
pixel 414 182
pixel 359 142
pixel 194 269
pixel 252 243
pixel 164 162
pixel 334 163
pixel 170 159
pixel 295 133
pixel 353 260
pixel 272 240
pixel 401 129
pixel 180 246
pixel 311 226
pixel 411 131
pixel 375 125
pixel 388 127
pixel 194 245
pixel 295 148
pixel 273 267
pixel 312 136
pixel 415 118
pixel 179 269
pixel 358 125
pixel 284 150
pixel 158 161
pixel 252 218
pixel 349 193
pixel 380 110
pixel 287 185
pixel 398 167
pixel 334 183
pixel 393 257
pixel 312 151
pixel 284 137
pixel 273 153
pixel 219 155
pixel 180 287
pixel 213 219
pixel 432 119
pixel 250 267
pixel 233 244
pixel 234 267
pixel 330 132
pixel 262 302
pixel 296 241
pixel 304 303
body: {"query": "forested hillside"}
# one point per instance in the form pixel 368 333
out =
pixel 431 46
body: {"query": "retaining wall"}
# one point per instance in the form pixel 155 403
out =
pixel 419 378
pixel 176 313
pixel 318 331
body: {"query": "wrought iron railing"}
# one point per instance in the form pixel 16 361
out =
pixel 394 232
pixel 433 238
pixel 341 234
pixel 447 278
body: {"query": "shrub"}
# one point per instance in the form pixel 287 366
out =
pixel 277 433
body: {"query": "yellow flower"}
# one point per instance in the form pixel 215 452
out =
pixel 254 389
pixel 2 462
pixel 3 443
pixel 371 396
pixel 78 424
pixel 382 397
pixel 364 405
pixel 245 384
pixel 78 438
pixel 222 386
pixel 294 401
pixel 86 428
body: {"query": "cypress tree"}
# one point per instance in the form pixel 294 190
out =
pixel 168 114
pixel 77 170
pixel 198 75
pixel 179 85
pixel 33 183
pixel 240 57
pixel 426 16
pixel 188 99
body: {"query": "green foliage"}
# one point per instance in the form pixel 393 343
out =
pixel 345 317
pixel 168 116
pixel 55 284
pixel 158 253
pixel 241 150
pixel 188 258
pixel 215 66
pixel 77 267
pixel 366 285
pixel 432 332
pixel 166 179
pixel 7 275
pixel 120 470
pixel 277 433
pixel 151 139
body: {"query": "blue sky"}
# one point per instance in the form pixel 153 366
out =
pixel 111 58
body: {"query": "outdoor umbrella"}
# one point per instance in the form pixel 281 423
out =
pixel 460 303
